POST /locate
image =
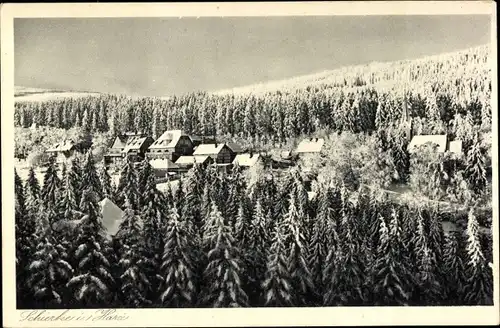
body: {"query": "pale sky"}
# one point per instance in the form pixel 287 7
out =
pixel 165 56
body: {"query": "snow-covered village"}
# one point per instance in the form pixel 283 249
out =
pixel 367 184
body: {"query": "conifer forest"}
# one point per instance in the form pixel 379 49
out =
pixel 255 237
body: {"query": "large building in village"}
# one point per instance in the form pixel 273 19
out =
pixel 62 151
pixel 171 145
pixel 221 153
pixel 133 145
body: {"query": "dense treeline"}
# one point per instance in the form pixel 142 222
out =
pixel 445 94
pixel 222 239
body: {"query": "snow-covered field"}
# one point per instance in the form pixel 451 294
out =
pixel 37 94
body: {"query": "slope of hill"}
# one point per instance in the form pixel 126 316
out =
pixel 22 94
pixel 380 74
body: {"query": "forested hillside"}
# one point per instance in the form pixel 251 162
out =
pixel 449 93
pixel 258 237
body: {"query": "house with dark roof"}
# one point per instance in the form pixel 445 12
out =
pixel 220 153
pixel 136 147
pixel 171 145
pixel 63 151
pixel 133 145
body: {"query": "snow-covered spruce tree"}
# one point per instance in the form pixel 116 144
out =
pixel 242 227
pixel 32 187
pixel 90 178
pixel 91 285
pixel 144 171
pixel 222 274
pixel 107 184
pixel 49 272
pixel 428 289
pixel 255 254
pixel 179 196
pixel 134 283
pixel 322 238
pixel 179 264
pixel 277 286
pixel 478 289
pixel 452 270
pixel 75 172
pixel 346 279
pixel 297 255
pixel 127 186
pixel 51 185
pixel 475 170
pixel 154 220
pixel 401 156
pixel 194 192
pixel 390 286
pixel 25 242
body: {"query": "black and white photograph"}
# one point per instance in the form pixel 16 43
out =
pixel 286 161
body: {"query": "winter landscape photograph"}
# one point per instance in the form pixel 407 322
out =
pixel 221 162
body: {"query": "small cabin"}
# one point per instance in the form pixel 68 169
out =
pixel 439 140
pixel 187 162
pixel 171 145
pixel 220 153
pixel 163 166
pixel 247 160
pixel 63 151
pixel 310 146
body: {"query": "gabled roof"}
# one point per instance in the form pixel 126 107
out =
pixel 120 142
pixel 439 140
pixel 190 160
pixel 62 146
pixel 246 159
pixel 209 149
pixel 163 164
pixel 134 143
pixel 234 147
pixel 310 145
pixel 168 139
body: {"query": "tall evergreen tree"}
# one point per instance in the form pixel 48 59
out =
pixel 277 286
pixel 453 270
pixel 133 279
pixel 49 272
pixel 389 285
pixel 51 185
pixel 90 179
pixel 297 255
pixel 478 289
pixel 476 168
pixel 75 172
pixel 153 219
pixel 127 186
pixel 224 269
pixel 255 253
pixel 91 286
pixel 428 289
pixel 107 184
pixel 179 264
pixel 25 242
